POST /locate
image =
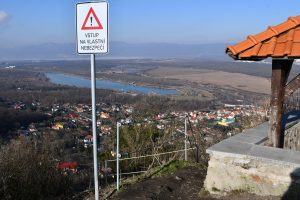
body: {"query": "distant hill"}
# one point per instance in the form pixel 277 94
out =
pixel 117 50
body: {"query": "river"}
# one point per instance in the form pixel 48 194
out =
pixel 72 80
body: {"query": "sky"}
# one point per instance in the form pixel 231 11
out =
pixel 33 22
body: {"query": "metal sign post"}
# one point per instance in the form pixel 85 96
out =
pixel 92 38
pixel 93 91
pixel 185 137
pixel 118 155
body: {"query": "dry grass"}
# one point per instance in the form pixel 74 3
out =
pixel 220 78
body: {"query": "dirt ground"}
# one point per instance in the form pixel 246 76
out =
pixel 220 78
pixel 184 184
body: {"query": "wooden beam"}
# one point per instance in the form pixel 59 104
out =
pixel 280 73
pixel 292 86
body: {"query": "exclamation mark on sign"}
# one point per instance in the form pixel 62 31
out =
pixel 91 18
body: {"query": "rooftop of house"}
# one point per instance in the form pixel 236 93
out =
pixel 67 165
pixel 280 41
pixel 88 137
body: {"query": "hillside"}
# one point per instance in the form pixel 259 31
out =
pixel 184 183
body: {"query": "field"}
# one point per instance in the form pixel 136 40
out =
pixel 220 78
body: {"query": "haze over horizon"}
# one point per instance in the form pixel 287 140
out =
pixel 180 27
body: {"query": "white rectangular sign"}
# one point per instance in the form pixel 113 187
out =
pixel 92 27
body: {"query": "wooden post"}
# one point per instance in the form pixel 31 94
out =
pixel 280 72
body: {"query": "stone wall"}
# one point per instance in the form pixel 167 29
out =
pixel 240 173
pixel 241 163
pixel 292 137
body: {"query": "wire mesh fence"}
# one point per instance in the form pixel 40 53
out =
pixel 140 164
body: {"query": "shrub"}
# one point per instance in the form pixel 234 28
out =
pixel 29 172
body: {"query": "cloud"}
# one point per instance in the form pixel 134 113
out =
pixel 4 17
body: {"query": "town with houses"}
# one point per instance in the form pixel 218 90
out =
pixel 75 120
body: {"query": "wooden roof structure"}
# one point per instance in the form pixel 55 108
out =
pixel 281 41
pixel 282 44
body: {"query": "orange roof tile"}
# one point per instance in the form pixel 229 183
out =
pixel 278 41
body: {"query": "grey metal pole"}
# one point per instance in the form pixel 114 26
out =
pixel 93 88
pixel 105 165
pixel 118 155
pixel 185 137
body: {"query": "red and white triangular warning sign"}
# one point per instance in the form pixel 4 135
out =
pixel 92 27
pixel 91 21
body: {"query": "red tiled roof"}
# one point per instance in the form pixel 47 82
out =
pixel 88 137
pixel 67 165
pixel 278 41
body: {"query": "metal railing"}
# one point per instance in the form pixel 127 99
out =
pixel 119 174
